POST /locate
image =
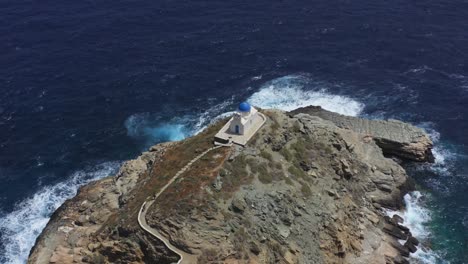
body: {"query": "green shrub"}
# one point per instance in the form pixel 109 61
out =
pixel 222 172
pixel 239 165
pixel 278 166
pixel 296 172
pixel 275 126
pixel 266 155
pixel 305 189
pixel 286 153
pixel 263 175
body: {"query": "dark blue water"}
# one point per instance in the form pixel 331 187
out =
pixel 85 85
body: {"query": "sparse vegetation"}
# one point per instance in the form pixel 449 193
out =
pixel 262 172
pixel 222 172
pixel 278 166
pixel 235 174
pixel 241 237
pixel 208 255
pixel 98 258
pixel 296 172
pixel 266 155
pixel 286 153
pixel 299 147
pixel 297 127
pixel 305 189
pixel 275 124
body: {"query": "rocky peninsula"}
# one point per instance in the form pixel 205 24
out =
pixel 310 187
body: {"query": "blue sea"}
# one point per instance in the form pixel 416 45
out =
pixel 86 85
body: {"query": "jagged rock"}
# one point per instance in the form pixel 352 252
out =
pixel 396 260
pixel 254 248
pixel 411 247
pixel 413 240
pixel 401 249
pixel 397 219
pixel 238 205
pixel 93 246
pixel 404 229
pixel 356 245
pixel 395 231
pixel 81 220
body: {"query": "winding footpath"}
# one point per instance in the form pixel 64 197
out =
pixel 185 258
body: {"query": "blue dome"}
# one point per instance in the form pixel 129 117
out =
pixel 244 107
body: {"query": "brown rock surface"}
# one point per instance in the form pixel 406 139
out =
pixel 304 190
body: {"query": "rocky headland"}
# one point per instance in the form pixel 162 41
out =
pixel 310 187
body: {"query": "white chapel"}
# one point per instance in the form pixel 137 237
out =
pixel 243 119
pixel 245 122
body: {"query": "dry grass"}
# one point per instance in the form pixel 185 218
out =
pixel 236 174
pixel 176 157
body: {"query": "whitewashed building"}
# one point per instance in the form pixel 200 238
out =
pixel 245 122
pixel 243 119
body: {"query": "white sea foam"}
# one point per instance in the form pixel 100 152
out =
pixel 152 130
pixel 294 91
pixel 444 154
pixel 212 115
pixel 416 217
pixel 21 227
pixel 285 93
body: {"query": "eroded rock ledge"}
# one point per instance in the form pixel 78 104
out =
pixel 392 136
pixel 308 188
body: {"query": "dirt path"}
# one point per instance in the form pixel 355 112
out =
pixel 185 258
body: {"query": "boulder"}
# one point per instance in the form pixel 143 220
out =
pixel 394 231
pixel 413 241
pixel 411 248
pixel 397 219
pixel 401 249
pixel 238 205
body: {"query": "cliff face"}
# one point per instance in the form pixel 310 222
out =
pixel 304 190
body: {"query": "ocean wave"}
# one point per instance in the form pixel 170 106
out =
pixel 151 129
pixel 21 227
pixel 162 127
pixel 294 91
pixel 285 93
pixel 416 217
pixel 444 153
pixel 212 115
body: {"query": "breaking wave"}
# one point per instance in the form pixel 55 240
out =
pixel 444 155
pixel 290 92
pixel 416 214
pixel 21 227
pixel 416 217
pixel 154 128
pixel 285 93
